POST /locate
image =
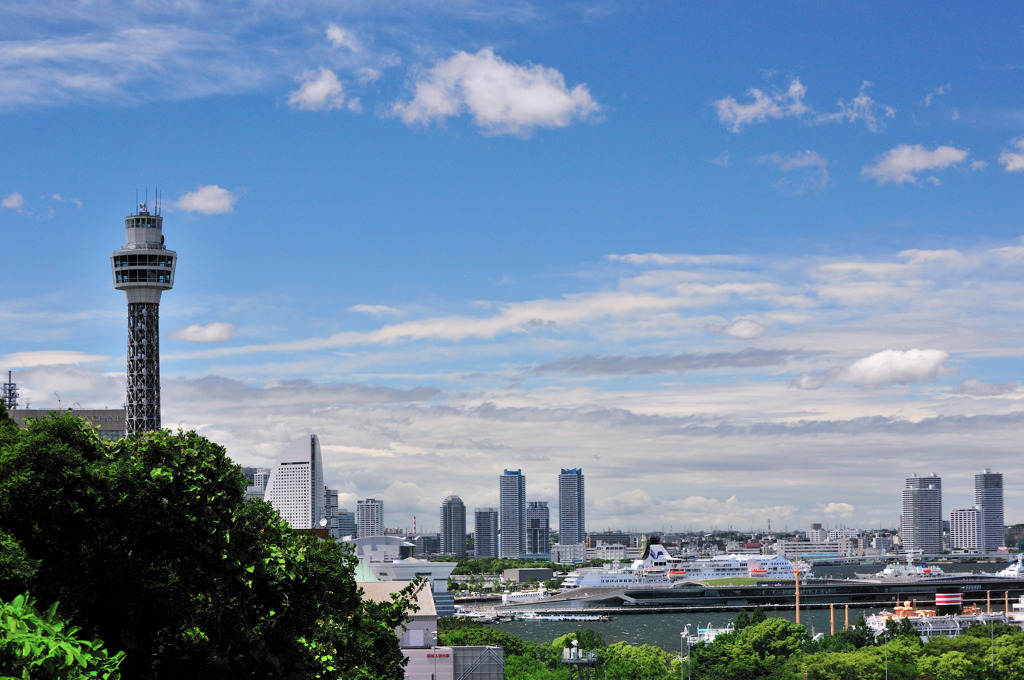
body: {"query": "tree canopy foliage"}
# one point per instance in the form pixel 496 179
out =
pixel 149 544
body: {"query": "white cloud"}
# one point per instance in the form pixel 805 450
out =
pixel 217 331
pixel 49 358
pixel 13 201
pixel 862 107
pixel 368 74
pixel 722 160
pixel 208 200
pixel 937 92
pixel 320 91
pixel 763 107
pixel 978 165
pixel 1013 161
pixel 742 328
pixel 903 163
pixel 887 367
pixel 813 166
pixel 666 259
pixel 502 97
pixel 841 509
pixel 976 388
pixel 343 37
pixel 376 310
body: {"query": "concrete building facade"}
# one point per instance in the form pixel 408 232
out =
pixel 295 486
pixel 453 527
pixel 512 506
pixel 988 497
pixel 921 526
pixel 538 529
pixel 485 532
pixel 369 517
pixel 572 519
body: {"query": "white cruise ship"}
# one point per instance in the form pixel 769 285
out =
pixel 659 569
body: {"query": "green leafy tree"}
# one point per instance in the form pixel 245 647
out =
pixel 623 661
pixel 150 545
pixel 42 645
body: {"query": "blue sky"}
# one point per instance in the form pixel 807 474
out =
pixel 737 262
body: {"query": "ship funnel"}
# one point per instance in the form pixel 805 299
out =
pixel 948 600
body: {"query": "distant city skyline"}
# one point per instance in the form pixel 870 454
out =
pixel 733 261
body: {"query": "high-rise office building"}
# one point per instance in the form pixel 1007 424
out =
pixel 296 485
pixel 512 503
pixel 453 526
pixel 347 523
pixel 988 496
pixel 538 528
pixel 921 526
pixel 964 524
pixel 485 532
pixel 572 526
pixel 370 517
pixel 143 268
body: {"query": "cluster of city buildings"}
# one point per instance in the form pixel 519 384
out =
pixel 979 528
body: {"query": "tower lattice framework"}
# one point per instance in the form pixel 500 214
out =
pixel 142 406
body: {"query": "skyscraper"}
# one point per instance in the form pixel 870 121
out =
pixel 453 526
pixel 988 495
pixel 572 525
pixel 485 532
pixel 921 527
pixel 296 485
pixel 538 528
pixel 370 517
pixel 143 268
pixel 512 503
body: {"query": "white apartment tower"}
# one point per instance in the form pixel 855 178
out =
pixel 572 525
pixel 143 268
pixel 964 525
pixel 921 527
pixel 485 532
pixel 370 517
pixel 453 526
pixel 296 485
pixel 988 496
pixel 512 504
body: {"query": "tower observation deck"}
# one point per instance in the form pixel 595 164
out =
pixel 143 268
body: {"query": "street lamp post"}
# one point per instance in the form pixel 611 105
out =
pixel 684 637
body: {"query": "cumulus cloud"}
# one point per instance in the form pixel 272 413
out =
pixel 502 97
pixel 887 367
pixel 903 163
pixel 976 388
pixel 217 331
pixel 13 201
pixel 320 91
pixel 763 106
pixel 742 328
pixel 343 37
pixel 208 200
pixel 862 107
pixel 810 164
pixel 841 509
pixel 1013 161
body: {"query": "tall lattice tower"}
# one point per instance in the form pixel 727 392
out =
pixel 143 268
